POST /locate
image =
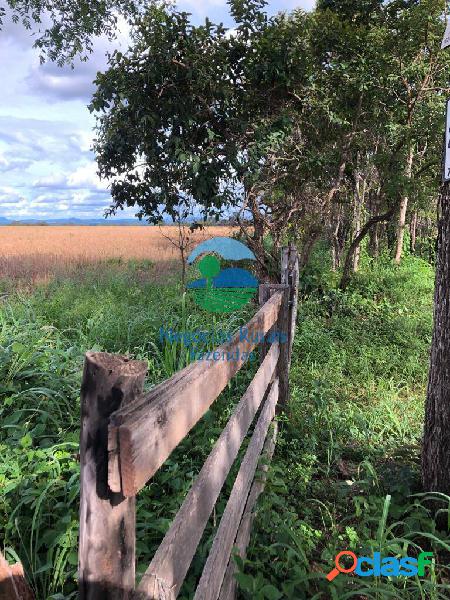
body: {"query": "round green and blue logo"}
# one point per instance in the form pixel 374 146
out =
pixel 222 290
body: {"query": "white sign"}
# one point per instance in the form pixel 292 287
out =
pixel 446 40
pixel 447 145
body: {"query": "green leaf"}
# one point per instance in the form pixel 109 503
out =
pixel 26 441
pixel 271 593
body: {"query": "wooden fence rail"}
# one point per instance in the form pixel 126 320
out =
pixel 126 436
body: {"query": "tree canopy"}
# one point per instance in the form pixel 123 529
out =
pixel 324 124
pixel 66 29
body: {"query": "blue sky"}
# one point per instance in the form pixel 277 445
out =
pixel 46 167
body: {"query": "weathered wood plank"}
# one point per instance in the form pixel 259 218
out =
pixel 173 558
pixel 285 266
pixel 294 276
pixel 216 564
pixel 264 296
pixel 229 586
pixel 106 564
pixel 151 428
pixel 290 275
pixel 114 472
pixel 282 326
pixel 13 585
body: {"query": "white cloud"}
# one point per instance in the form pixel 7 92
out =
pixel 86 177
pixel 12 164
pixel 9 195
pixel 82 140
pixel 83 177
pixel 66 83
pixel 51 182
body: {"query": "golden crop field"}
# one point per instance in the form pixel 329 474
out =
pixel 37 253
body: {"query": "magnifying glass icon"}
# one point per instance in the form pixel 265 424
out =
pixel 340 569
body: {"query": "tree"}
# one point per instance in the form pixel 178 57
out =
pixel 195 112
pixel 389 66
pixel 166 127
pixel 436 443
pixel 68 27
pixel 182 240
pixel 305 125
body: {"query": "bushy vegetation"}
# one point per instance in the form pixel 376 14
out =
pixel 345 473
pixel 347 467
pixel 43 337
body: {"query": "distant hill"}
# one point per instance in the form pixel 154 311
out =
pixel 94 222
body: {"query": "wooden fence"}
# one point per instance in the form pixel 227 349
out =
pixel 126 436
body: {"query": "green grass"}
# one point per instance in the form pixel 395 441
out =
pixel 346 470
pixel 225 300
pixel 347 467
pixel 43 337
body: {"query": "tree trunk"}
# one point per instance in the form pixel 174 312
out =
pixel 346 273
pixel 360 191
pixel 413 233
pixel 335 246
pixel 307 248
pixel 374 243
pixel 264 261
pixel 374 233
pixel 403 210
pixel 334 261
pixel 436 443
pixel 183 266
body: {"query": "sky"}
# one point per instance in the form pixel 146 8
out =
pixel 47 170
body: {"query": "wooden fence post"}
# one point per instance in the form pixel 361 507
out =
pixel 288 314
pixel 266 290
pixel 106 560
pixel 13 585
pixel 283 362
pixel 290 275
pixel 284 277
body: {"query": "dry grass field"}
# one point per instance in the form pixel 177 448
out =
pixel 33 254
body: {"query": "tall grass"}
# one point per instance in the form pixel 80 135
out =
pixel 347 467
pixel 36 254
pixel 346 470
pixel 43 337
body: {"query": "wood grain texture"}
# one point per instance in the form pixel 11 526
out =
pixel 294 282
pixel 285 266
pixel 174 556
pixel 107 520
pixel 265 292
pixel 152 427
pixel 13 585
pixel 290 275
pixel 282 325
pixel 217 562
pixel 229 586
